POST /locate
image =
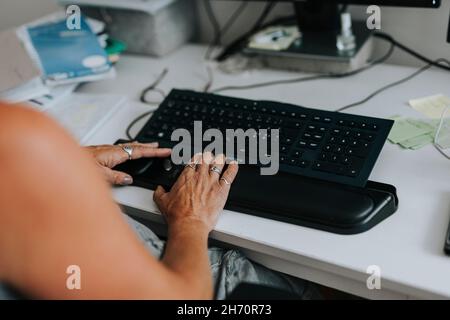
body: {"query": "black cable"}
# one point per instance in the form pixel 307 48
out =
pixel 228 24
pixel 236 44
pixel 415 54
pixel 212 18
pixel 267 9
pixel 395 83
pixel 131 125
pixel 309 78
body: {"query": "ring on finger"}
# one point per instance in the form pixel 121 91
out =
pixel 128 150
pixel 192 165
pixel 226 181
pixel 216 170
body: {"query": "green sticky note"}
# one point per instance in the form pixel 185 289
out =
pixel 403 130
pixel 417 142
pixel 428 126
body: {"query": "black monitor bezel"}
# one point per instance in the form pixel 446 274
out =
pixel 392 3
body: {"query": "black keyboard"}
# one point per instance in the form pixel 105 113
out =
pixel 325 145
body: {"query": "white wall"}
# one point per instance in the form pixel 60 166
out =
pixel 13 13
pixel 422 29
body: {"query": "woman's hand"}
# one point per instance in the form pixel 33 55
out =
pixel 199 194
pixel 109 156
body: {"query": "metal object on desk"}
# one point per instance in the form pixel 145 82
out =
pixel 147 27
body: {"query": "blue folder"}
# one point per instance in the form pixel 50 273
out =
pixel 67 54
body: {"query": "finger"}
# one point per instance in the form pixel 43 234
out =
pixel 149 145
pixel 219 163
pixel 190 169
pixel 203 167
pixel 157 195
pixel 229 175
pixel 147 151
pixel 118 177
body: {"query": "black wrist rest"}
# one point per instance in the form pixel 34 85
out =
pixel 289 198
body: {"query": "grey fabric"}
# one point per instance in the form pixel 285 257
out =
pixel 229 268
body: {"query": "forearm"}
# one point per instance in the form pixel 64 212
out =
pixel 186 255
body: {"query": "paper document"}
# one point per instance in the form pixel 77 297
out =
pixel 16 67
pixel 54 96
pixel 413 133
pixel 83 114
pixel 431 106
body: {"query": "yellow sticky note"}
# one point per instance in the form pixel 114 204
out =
pixel 432 106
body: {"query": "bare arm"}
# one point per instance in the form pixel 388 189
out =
pixel 56 210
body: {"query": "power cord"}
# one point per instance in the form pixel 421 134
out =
pixel 309 78
pixel 133 123
pixel 228 24
pixel 394 84
pixel 236 44
pixel 410 51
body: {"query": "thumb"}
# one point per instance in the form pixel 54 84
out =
pixel 118 177
pixel 159 192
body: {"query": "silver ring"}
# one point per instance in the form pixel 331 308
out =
pixel 128 150
pixel 226 181
pixel 216 170
pixel 192 165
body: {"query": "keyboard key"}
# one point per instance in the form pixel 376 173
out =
pixel 336 132
pixel 324 156
pixel 328 167
pixel 312 145
pixel 369 137
pixel 351 172
pixel 303 163
pixel 334 158
pixel 284 149
pixel 297 153
pixel 338 149
pixel 317 137
pixel 328 148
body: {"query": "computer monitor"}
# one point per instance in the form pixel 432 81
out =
pixel 320 22
pixel 319 15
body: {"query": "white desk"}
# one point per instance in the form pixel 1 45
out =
pixel 408 246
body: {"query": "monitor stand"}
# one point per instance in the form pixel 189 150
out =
pixel 316 51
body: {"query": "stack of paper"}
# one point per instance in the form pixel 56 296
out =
pixel 19 77
pixel 54 96
pixel 432 106
pixel 83 114
pixel 413 133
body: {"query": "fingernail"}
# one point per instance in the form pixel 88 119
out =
pixel 127 180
